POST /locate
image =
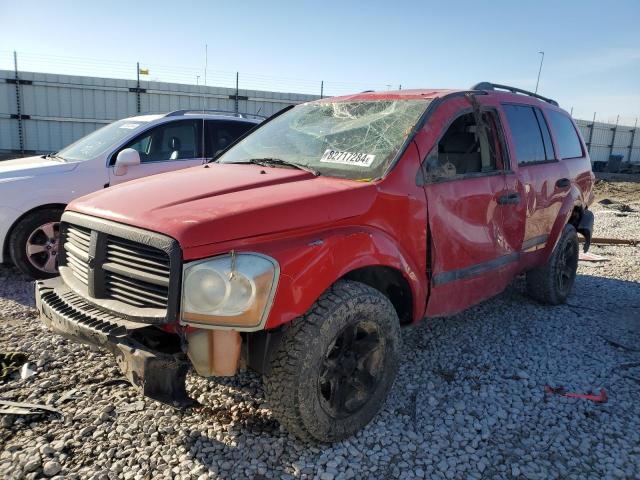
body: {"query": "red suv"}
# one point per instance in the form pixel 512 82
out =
pixel 306 245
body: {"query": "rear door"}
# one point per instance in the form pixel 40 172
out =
pixel 539 178
pixel 464 175
pixel 164 148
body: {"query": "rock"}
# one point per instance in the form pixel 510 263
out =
pixel 51 468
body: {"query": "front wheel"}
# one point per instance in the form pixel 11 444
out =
pixel 33 244
pixel 552 282
pixel 336 365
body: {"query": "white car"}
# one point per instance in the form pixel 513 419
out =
pixel 35 190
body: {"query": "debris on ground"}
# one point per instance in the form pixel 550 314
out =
pixel 11 363
pixel 8 407
pixel 599 398
pixel 591 257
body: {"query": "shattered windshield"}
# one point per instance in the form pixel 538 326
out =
pixel 356 140
pixel 98 142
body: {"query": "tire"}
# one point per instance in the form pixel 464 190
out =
pixel 322 386
pixel 40 230
pixel 551 283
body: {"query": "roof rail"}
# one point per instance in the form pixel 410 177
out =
pixel 496 86
pixel 178 113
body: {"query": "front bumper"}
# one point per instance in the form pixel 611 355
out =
pixel 158 373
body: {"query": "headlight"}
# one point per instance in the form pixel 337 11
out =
pixel 233 291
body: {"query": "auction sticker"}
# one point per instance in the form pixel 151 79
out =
pixel 347 158
pixel 130 126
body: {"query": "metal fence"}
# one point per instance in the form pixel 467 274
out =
pixel 43 112
pixel 606 139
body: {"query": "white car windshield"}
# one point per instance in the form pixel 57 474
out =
pixel 98 142
pixel 355 140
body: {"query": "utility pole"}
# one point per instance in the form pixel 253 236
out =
pixel 206 61
pixel 138 86
pixel 322 89
pixel 539 71
pixel 18 104
pixel 237 90
pixel 593 127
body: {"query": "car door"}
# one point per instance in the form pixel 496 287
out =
pixel 464 175
pixel 538 178
pixel 166 147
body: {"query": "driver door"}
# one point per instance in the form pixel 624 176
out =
pixel 164 148
pixel 464 175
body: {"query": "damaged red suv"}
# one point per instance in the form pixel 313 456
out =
pixel 304 247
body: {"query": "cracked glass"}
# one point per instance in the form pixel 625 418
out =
pixel 356 140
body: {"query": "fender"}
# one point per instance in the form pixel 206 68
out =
pixel 571 200
pixel 310 265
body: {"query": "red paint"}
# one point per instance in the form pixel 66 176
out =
pixel 321 228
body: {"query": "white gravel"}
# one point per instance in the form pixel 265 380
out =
pixel 469 401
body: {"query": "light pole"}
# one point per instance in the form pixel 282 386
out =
pixel 539 71
pixel 197 79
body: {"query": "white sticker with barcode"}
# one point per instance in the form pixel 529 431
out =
pixel 347 158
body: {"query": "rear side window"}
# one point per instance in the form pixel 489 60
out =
pixel 222 133
pixel 530 134
pixel 568 142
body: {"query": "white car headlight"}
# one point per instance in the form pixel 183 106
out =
pixel 233 291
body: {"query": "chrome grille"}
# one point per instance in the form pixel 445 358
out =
pixel 76 246
pixel 136 274
pixel 116 268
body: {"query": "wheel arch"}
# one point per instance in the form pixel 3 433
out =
pixel 391 283
pixel 7 239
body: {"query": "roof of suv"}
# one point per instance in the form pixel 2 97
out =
pixel 504 91
pixel 206 114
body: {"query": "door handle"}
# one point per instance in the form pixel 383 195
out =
pixel 563 183
pixel 510 198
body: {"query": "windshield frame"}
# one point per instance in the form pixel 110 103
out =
pixel 430 104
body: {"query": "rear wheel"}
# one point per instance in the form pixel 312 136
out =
pixel 552 283
pixel 336 365
pixel 34 243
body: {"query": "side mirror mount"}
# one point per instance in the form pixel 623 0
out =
pixel 126 158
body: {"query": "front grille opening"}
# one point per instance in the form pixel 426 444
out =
pixel 117 268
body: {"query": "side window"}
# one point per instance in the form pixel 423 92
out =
pixel 222 133
pixel 166 142
pixel 530 134
pixel 569 145
pixel 467 149
pixel 546 136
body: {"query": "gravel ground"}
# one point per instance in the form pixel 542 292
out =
pixel 469 401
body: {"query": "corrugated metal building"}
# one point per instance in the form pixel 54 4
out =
pixel 62 108
pixel 59 109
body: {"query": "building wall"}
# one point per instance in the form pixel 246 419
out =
pixel 63 108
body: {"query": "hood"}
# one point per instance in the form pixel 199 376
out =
pixel 199 206
pixel 32 166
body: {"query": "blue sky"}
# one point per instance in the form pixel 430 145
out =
pixel 592 48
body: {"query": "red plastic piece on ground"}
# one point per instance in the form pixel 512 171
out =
pixel 600 398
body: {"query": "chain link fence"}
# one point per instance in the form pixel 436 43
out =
pixel 43 112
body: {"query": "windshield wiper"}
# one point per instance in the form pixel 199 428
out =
pixel 268 161
pixel 54 155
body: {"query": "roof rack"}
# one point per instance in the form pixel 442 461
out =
pixel 496 86
pixel 178 113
